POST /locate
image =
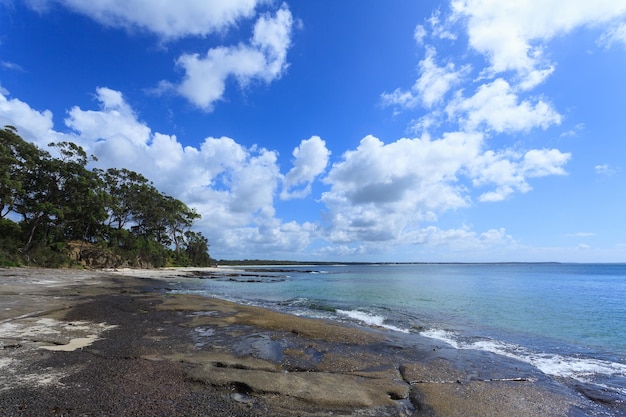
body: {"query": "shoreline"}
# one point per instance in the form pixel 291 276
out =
pixel 113 332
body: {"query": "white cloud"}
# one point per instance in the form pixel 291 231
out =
pixel 336 251
pixel 544 162
pixel 432 85
pixel 400 98
pixel 34 126
pixel 496 106
pixel 115 118
pixel 379 190
pixel 573 132
pixel 384 192
pixel 462 239
pixel 513 35
pixel 581 234
pixel 205 77
pixel 376 192
pixel 232 187
pixel 617 34
pixel 11 66
pixel 241 181
pixel 513 40
pixel 508 171
pixel 264 59
pixel 166 19
pixel 419 34
pixel 435 81
pixel 254 184
pixel 310 161
pixel 272 35
pixel 440 29
pixel 605 170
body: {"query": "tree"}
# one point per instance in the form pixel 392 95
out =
pixel 18 158
pixel 59 196
pixel 80 199
pixel 178 220
pixel 35 200
pixel 60 200
pixel 197 249
pixel 123 188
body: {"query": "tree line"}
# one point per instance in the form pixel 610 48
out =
pixel 55 211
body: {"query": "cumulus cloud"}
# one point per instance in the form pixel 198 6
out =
pixel 263 59
pixel 513 35
pixel 378 190
pixel 432 85
pixel 436 81
pixel 310 161
pixel 508 171
pixel 35 126
pixel 115 118
pixel 242 180
pixel 231 186
pixel 513 38
pixel 166 19
pixel 483 98
pixel 440 28
pixel 497 107
pixel 385 192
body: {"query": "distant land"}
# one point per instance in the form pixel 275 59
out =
pixel 257 262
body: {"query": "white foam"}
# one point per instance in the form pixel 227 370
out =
pixel 579 368
pixel 298 301
pixel 5 362
pixel 370 319
pixel 442 335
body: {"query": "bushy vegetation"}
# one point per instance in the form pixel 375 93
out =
pixel 54 211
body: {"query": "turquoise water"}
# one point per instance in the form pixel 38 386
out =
pixel 569 320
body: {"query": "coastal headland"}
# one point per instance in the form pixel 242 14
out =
pixel 121 343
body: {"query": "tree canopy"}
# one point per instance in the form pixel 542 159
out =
pixel 55 211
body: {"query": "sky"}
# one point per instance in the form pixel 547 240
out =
pixel 418 131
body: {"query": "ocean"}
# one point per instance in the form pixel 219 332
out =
pixel 567 320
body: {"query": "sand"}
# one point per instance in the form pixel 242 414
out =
pixel 119 343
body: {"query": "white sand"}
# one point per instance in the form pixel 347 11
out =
pixel 166 272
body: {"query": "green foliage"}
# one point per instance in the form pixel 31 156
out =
pixel 49 256
pixel 197 249
pixel 118 215
pixel 10 233
pixel 17 163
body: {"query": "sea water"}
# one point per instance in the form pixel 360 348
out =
pixel 568 320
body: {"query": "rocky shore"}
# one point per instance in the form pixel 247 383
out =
pixel 98 343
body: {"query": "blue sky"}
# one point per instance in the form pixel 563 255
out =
pixel 463 130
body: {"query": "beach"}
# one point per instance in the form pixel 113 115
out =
pixel 122 343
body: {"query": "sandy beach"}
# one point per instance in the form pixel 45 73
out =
pixel 119 343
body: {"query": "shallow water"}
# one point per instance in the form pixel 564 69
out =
pixel 568 320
